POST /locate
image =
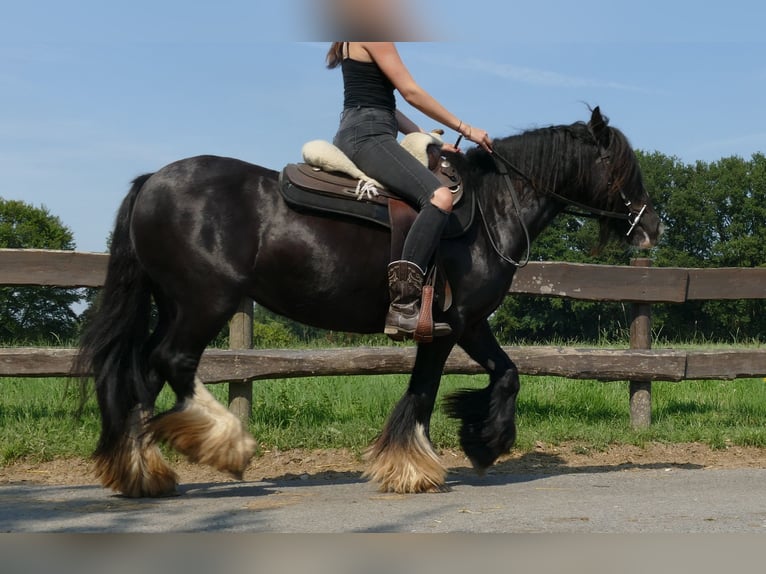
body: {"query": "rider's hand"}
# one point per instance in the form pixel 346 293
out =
pixel 479 136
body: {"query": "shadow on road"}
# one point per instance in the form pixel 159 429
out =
pixel 535 466
pixel 526 468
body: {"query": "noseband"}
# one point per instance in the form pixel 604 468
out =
pixel 633 216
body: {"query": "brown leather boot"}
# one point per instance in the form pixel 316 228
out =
pixel 405 286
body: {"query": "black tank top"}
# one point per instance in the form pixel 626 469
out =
pixel 365 85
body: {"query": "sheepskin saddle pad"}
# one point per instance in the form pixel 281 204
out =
pixel 328 181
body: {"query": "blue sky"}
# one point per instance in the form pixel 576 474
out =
pixel 92 95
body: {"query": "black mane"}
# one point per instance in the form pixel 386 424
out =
pixel 550 155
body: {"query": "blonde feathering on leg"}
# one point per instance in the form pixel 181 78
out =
pixel 206 432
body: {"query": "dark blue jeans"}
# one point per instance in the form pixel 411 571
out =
pixel 368 137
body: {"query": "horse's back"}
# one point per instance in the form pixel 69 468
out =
pixel 188 174
pixel 201 214
pixel 222 221
pixel 205 184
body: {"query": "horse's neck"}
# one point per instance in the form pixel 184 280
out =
pixel 514 225
pixel 510 233
pixel 536 186
pixel 541 210
pixel 531 191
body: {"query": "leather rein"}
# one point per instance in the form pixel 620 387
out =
pixel 503 165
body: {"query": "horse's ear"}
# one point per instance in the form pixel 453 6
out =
pixel 598 126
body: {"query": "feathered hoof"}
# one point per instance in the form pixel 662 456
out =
pixel 136 473
pixel 221 442
pixel 471 408
pixel 406 469
pixel 480 456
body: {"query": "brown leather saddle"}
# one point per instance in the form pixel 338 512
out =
pixel 335 194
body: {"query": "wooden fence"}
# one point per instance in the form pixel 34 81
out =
pixel 639 284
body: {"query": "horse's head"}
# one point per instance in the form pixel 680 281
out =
pixel 620 185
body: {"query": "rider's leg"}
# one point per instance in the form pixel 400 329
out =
pixel 405 277
pixel 367 136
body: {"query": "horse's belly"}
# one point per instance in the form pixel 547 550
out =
pixel 324 284
pixel 360 310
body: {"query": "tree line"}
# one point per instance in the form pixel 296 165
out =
pixel 714 215
pixel 35 314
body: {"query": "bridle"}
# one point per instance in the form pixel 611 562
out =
pixel 503 164
pixel 633 215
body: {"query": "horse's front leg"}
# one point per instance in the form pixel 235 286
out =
pixel 488 416
pixel 402 458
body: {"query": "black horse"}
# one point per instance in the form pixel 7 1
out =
pixel 202 233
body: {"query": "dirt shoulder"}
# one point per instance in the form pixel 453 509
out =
pixel 336 464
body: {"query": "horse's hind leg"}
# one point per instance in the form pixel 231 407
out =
pixel 136 467
pixel 488 416
pixel 402 458
pixel 198 425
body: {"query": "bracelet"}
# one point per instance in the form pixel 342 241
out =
pixel 460 125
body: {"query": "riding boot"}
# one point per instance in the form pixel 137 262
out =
pixel 405 284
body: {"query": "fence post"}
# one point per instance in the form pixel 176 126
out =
pixel 241 337
pixel 641 338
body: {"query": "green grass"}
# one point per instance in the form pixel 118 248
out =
pixel 37 421
pixel 716 413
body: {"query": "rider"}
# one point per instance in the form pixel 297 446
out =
pixel 367 135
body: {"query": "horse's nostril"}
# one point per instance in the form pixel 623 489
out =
pixel 642 240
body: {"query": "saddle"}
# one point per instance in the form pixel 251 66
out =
pixel 328 182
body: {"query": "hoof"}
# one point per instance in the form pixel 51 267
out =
pixel 224 445
pixel 206 432
pixel 136 473
pixel 483 439
pixel 404 469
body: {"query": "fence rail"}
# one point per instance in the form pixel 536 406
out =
pixel 638 284
pixel 555 279
pixel 242 366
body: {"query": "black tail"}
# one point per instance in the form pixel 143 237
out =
pixel 112 343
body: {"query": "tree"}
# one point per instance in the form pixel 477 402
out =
pixel 715 215
pixel 35 314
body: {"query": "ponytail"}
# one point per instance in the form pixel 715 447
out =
pixel 334 55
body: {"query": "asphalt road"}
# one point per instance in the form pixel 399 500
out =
pixel 663 500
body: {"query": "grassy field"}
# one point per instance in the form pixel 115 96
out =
pixel 37 421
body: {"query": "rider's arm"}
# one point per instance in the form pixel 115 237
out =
pixel 406 125
pixel 388 60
